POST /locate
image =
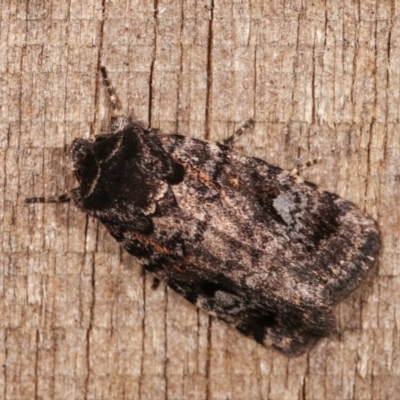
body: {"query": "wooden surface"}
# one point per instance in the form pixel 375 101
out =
pixel 78 318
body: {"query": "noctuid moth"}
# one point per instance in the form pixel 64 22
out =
pixel 249 242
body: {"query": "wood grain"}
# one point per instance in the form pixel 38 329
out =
pixel 78 318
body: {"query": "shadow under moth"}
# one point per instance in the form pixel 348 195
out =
pixel 248 242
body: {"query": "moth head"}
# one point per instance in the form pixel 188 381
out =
pixel 127 171
pixel 88 158
pixel 84 164
pixel 80 154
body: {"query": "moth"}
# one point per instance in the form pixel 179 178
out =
pixel 248 242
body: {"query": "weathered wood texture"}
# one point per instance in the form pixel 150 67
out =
pixel 78 319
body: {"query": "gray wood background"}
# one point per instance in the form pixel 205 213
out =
pixel 78 317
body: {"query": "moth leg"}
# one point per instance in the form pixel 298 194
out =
pixel 156 283
pixel 301 167
pixel 232 139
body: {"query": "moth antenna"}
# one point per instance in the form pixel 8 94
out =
pixel 63 198
pixel 112 95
